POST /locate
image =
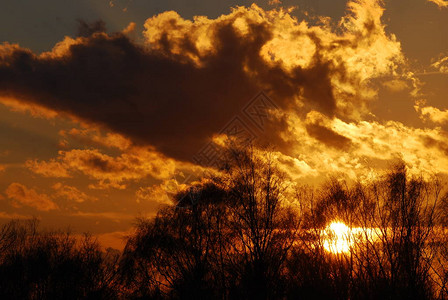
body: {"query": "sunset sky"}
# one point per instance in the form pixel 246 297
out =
pixel 107 108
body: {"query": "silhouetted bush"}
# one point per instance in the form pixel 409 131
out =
pixel 35 264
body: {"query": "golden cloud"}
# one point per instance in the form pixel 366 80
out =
pixel 190 78
pixel 113 171
pixel 34 110
pixel 373 146
pixel 431 113
pixel 110 171
pixel 23 196
pixel 130 28
pixel 160 193
pixel 396 85
pixel 94 136
pixel 360 52
pixel 441 64
pixel 71 193
pixel 161 102
pixel 440 3
pixel 51 168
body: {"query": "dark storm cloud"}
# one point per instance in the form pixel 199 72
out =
pixel 151 98
pixel 328 136
pixel 156 99
pixel 171 94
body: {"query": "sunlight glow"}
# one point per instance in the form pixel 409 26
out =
pixel 337 238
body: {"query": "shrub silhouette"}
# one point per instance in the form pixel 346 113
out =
pixel 35 264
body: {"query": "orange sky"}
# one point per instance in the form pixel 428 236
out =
pixel 101 127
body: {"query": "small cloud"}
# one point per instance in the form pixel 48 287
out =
pixel 51 168
pixel 396 85
pixel 93 136
pixel 63 143
pixel 71 193
pixel 130 28
pixel 117 4
pixel 441 65
pixel 431 113
pixel 440 3
pixel 35 110
pixel 275 2
pixel 159 193
pixel 133 164
pixel 23 196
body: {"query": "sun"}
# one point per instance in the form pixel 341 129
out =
pixel 337 238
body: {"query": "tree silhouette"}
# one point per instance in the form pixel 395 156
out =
pixel 35 264
pixel 231 242
pixel 235 235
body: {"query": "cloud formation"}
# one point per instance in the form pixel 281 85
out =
pixel 24 196
pixel 162 101
pixel 373 146
pixel 431 113
pixel 440 3
pixel 442 63
pixel 137 109
pixel 109 171
pixel 191 77
pixel 71 193
pixel 50 168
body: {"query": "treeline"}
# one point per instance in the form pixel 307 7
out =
pixel 247 234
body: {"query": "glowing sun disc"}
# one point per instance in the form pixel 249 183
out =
pixel 337 238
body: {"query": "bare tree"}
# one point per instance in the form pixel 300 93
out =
pixel 232 241
pixel 38 264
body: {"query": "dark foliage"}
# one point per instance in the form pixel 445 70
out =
pixel 242 235
pixel 52 265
